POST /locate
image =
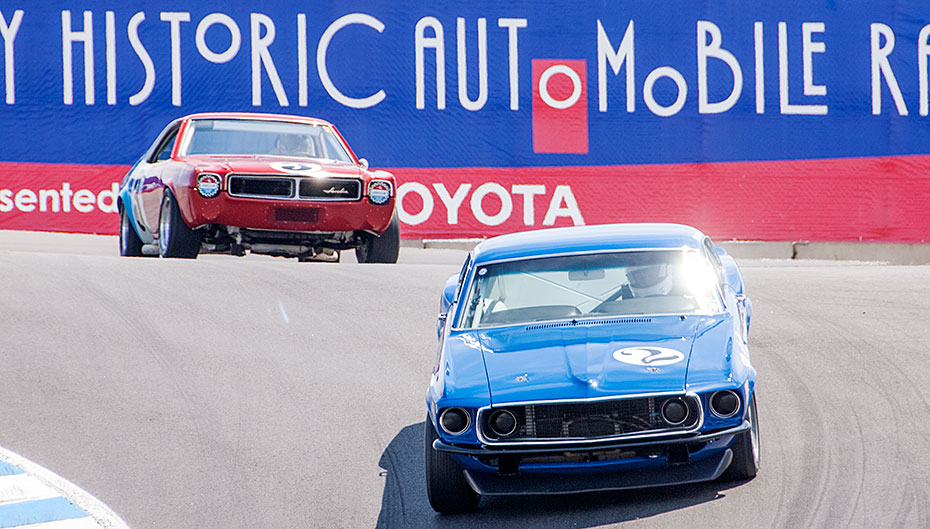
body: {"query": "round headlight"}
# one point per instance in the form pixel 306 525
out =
pixel 724 403
pixel 675 411
pixel 454 420
pixel 379 192
pixel 503 423
pixel 208 185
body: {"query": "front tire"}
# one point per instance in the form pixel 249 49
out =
pixel 745 464
pixel 383 249
pixel 446 487
pixel 175 238
pixel 130 245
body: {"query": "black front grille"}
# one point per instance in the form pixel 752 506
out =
pixel 592 420
pixel 261 187
pixel 330 189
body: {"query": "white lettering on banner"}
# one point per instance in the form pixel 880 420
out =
pixel 111 56
pixel 45 195
pixel 462 56
pixel 478 211
pixel 512 25
pixel 452 203
pixel 235 38
pixel 25 200
pixel 341 22
pixel 438 44
pixel 174 19
pixel 923 51
pixel 429 37
pixel 810 47
pixel 882 68
pixel 544 86
pixel 760 67
pixel 786 106
pixel 84 201
pixel 714 50
pixel 427 198
pixel 59 201
pixel 303 88
pixel 605 54
pixel 261 57
pixel 652 104
pixel 133 31
pixel 528 192
pixel 68 37
pixel 563 194
pixel 9 31
pixel 561 204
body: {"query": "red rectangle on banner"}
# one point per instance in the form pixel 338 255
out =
pixel 560 106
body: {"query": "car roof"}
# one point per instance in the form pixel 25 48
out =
pixel 583 239
pixel 257 115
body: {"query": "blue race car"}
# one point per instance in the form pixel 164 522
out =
pixel 590 358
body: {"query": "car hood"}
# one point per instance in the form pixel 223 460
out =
pixel 285 166
pixel 589 359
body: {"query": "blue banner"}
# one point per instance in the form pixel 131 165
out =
pixel 442 84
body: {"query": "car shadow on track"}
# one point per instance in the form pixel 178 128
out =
pixel 404 503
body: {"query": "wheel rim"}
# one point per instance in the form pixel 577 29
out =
pixel 164 226
pixel 123 231
pixel 754 434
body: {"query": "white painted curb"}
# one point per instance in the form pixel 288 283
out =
pixel 97 510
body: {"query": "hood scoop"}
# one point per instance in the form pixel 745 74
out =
pixel 575 323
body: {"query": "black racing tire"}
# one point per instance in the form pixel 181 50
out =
pixel 130 245
pixel 446 487
pixel 383 249
pixel 175 238
pixel 745 464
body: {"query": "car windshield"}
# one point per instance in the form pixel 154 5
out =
pixel 264 138
pixel 592 285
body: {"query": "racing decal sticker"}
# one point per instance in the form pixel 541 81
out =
pixel 648 356
pixel 379 192
pixel 301 168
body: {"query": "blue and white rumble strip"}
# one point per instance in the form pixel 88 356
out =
pixel 32 497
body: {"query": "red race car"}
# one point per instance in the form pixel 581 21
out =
pixel 271 184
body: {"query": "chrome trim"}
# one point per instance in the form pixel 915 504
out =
pixel 739 403
pixel 295 194
pixel 664 418
pixel 467 420
pixel 439 445
pixel 569 441
pixel 516 422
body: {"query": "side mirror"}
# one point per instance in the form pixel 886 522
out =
pixel 445 302
pixel 363 163
pixel 720 251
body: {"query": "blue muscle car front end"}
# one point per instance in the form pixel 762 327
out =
pixel 593 358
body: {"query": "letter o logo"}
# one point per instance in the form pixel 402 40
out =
pixel 235 38
pixel 654 106
pixel 544 86
pixel 427 197
pixel 477 209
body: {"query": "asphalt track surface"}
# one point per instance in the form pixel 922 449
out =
pixel 259 392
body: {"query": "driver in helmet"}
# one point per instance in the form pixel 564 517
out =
pixel 293 145
pixel 649 280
